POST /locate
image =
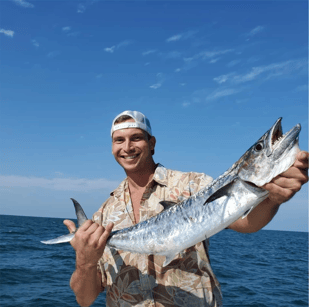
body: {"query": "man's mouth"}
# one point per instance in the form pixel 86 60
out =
pixel 130 157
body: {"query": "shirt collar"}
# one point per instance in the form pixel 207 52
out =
pixel 160 176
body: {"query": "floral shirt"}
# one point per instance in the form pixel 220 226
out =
pixel 133 279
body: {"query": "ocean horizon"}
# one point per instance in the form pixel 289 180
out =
pixel 267 268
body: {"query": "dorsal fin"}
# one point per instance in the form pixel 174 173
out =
pixel 81 216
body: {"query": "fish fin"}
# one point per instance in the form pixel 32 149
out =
pixel 247 212
pixel 167 204
pixel 224 191
pixel 81 216
pixel 169 258
pixel 61 239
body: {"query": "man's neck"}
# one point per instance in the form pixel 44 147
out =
pixel 142 178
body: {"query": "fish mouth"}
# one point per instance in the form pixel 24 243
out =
pixel 279 142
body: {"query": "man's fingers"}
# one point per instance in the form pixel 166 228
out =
pixel 302 160
pixel 70 225
pixel 106 233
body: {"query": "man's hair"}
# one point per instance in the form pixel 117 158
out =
pixel 124 118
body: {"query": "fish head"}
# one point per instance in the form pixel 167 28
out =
pixel 270 156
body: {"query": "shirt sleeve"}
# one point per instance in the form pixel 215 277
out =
pixel 197 181
pixel 98 218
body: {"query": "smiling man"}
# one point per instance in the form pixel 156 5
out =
pixel 141 280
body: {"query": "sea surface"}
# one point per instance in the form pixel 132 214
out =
pixel 268 268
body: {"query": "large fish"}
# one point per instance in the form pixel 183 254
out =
pixel 226 199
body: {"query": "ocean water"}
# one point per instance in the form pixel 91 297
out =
pixel 268 268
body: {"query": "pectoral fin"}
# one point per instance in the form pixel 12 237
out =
pixel 224 191
pixel 169 258
pixel 167 204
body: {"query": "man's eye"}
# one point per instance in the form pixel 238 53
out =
pixel 137 138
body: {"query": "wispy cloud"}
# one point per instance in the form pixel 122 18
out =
pixel 24 3
pixel 115 47
pixel 81 8
pixel 160 79
pixel 149 52
pixel 66 29
pixel 233 63
pixel 209 55
pixel 213 61
pixel 302 88
pixel 272 70
pixel 63 184
pixel 9 33
pixel 110 49
pixel 256 30
pixel 180 36
pixel 35 43
pixel 223 78
pixel 53 54
pixel 219 93
pixel 269 71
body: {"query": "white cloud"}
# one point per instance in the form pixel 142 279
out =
pixel 212 61
pixel 53 54
pixel 65 29
pixel 270 71
pixel 63 184
pixel 302 88
pixel 155 86
pixel 149 52
pixel 233 63
pixel 160 80
pixel 223 78
pixel 222 93
pixel 273 70
pixel 35 43
pixel 186 104
pixel 181 36
pixel 115 47
pixel 81 8
pixel 23 3
pixel 211 54
pixel 174 38
pixel 124 43
pixel 110 49
pixel 256 30
pixel 9 33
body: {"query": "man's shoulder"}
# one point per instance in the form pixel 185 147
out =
pixel 170 176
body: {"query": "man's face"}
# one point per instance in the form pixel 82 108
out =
pixel 132 149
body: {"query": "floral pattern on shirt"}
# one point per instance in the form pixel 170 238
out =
pixel 141 280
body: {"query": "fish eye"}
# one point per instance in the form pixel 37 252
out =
pixel 259 147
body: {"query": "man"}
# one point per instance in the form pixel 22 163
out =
pixel 141 280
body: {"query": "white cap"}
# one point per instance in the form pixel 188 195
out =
pixel 141 121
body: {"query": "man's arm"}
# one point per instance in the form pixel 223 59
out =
pixel 281 189
pixel 89 243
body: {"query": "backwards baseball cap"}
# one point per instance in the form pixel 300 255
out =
pixel 141 121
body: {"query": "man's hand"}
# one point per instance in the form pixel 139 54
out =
pixel 283 187
pixel 89 242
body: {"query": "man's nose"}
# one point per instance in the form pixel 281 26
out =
pixel 128 146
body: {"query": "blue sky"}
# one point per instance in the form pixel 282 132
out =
pixel 212 77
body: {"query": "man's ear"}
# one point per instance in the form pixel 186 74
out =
pixel 152 143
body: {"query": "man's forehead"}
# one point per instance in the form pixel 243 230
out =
pixel 127 132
